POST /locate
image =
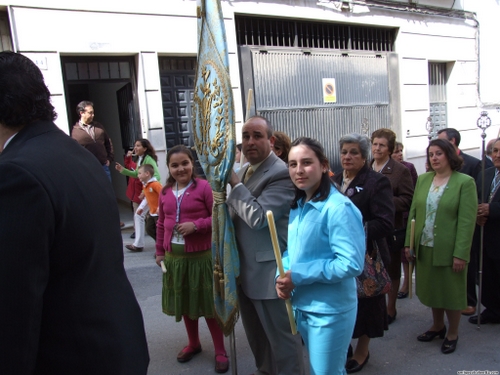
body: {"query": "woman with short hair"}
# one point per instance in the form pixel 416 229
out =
pixel 371 192
pixel 383 144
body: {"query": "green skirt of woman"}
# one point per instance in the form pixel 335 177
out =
pixel 438 286
pixel 187 285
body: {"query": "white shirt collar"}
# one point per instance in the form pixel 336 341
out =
pixel 8 140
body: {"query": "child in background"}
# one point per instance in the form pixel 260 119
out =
pixel 134 187
pixel 151 191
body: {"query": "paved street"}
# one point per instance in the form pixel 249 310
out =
pixel 398 352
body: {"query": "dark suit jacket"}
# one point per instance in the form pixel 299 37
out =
pixel 66 305
pixel 471 166
pixel 402 189
pixel 269 188
pixel 491 239
pixel 371 192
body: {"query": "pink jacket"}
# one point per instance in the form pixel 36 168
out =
pixel 196 206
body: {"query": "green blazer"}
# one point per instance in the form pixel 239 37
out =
pixel 455 217
pixel 147 160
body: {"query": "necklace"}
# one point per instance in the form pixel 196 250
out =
pixel 383 166
pixel 438 181
pixel 179 201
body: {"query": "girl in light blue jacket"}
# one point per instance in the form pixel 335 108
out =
pixel 326 250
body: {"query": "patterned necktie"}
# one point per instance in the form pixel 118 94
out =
pixel 494 186
pixel 248 174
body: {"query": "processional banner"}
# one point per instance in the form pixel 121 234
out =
pixel 214 134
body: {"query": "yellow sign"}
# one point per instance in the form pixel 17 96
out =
pixel 329 90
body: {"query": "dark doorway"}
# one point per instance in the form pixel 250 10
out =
pixel 177 76
pixel 110 83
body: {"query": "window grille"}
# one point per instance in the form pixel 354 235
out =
pixel 170 64
pixel 96 70
pixel 275 32
pixel 437 82
pixel 438 108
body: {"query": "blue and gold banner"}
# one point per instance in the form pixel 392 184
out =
pixel 214 134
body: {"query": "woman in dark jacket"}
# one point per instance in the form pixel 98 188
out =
pixel 383 144
pixel 371 192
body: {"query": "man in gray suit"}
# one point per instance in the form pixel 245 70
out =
pixel 263 185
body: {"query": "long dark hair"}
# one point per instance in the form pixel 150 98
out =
pixel 176 150
pixel 454 160
pixel 150 150
pixel 325 185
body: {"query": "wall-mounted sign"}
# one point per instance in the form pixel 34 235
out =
pixel 329 90
pixel 41 62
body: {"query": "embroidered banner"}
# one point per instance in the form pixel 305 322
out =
pixel 214 134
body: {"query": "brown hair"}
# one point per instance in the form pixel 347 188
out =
pixel 326 184
pixel 454 160
pixel 176 150
pixel 150 150
pixel 387 134
pixel 282 143
pixel 148 168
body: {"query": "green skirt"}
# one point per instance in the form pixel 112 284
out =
pixel 438 286
pixel 187 285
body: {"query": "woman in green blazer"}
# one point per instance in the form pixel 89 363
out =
pixel 444 208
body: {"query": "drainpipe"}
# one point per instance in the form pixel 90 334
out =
pixel 13 33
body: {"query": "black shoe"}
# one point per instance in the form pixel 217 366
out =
pixel 485 319
pixel 430 335
pixel 132 235
pixel 449 346
pixel 402 295
pixel 349 352
pixel 353 366
pixel 391 319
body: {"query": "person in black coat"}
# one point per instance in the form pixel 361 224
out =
pixel 489 218
pixel 66 305
pixel 371 192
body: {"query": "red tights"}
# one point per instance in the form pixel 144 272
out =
pixel 215 331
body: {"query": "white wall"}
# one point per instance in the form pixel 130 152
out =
pixel 488 15
pixel 156 27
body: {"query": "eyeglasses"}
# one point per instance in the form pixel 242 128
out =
pixel 90 113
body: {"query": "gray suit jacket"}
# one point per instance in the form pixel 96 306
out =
pixel 269 188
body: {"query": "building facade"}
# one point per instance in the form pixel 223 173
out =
pixel 318 68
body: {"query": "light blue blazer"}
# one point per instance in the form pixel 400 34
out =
pixel 326 251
